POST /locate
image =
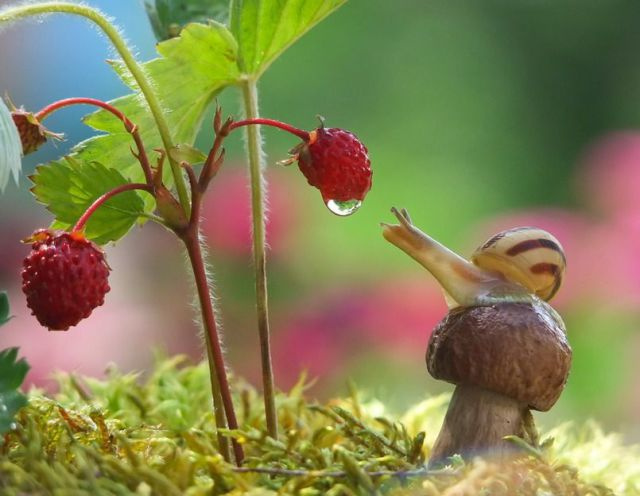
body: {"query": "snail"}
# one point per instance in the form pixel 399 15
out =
pixel 513 264
pixel 529 256
pixel 501 344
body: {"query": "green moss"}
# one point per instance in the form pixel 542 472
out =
pixel 124 436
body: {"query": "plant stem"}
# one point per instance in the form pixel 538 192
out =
pixel 109 194
pixel 216 393
pixel 214 348
pixel 49 109
pixel 419 472
pixel 218 404
pixel 223 403
pixel 303 135
pixel 129 126
pixel 129 60
pixel 250 96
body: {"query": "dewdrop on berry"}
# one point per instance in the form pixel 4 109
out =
pixel 337 163
pixel 333 160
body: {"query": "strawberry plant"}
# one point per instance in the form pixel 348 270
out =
pixel 115 180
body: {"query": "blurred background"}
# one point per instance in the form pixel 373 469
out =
pixel 478 116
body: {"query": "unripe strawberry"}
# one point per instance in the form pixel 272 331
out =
pixel 337 163
pixel 64 278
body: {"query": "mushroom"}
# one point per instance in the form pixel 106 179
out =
pixel 501 344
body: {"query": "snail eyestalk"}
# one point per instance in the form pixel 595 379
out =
pixel 467 284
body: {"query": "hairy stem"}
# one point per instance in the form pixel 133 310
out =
pixel 303 135
pixel 109 194
pixel 129 126
pixel 219 381
pixel 67 102
pixel 214 348
pixel 218 405
pixel 250 97
pixel 15 13
pixel 216 392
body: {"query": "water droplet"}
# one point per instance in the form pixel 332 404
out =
pixel 343 208
pixel 3 408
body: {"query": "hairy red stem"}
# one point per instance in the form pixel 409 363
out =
pixel 192 244
pixel 303 135
pixel 109 194
pixel 218 404
pixel 67 102
pixel 191 239
pixel 128 125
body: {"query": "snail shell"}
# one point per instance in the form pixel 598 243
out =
pixel 529 256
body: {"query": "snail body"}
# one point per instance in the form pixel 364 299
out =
pixel 520 264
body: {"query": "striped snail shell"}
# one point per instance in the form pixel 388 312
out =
pixel 527 255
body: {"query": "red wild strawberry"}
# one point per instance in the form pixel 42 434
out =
pixel 64 278
pixel 337 163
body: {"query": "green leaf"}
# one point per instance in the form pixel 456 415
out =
pixel 10 148
pixel 266 28
pixel 68 187
pixel 4 308
pixel 12 373
pixel 189 74
pixel 169 16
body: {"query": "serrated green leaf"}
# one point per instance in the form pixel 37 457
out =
pixel 4 308
pixel 189 73
pixel 68 187
pixel 12 373
pixel 169 16
pixel 10 148
pixel 265 28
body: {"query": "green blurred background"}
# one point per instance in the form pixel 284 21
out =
pixel 478 116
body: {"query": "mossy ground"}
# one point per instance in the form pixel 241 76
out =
pixel 156 437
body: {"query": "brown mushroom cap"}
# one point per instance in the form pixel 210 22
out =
pixel 516 349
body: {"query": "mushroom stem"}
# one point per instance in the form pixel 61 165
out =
pixel 477 422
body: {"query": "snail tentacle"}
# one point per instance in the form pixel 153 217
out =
pixel 463 281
